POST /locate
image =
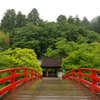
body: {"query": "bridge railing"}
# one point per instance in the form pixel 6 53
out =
pixel 33 74
pixel 86 76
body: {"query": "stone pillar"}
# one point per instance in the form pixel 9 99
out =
pixel 57 71
pixel 47 72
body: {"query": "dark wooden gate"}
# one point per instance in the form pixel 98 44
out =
pixel 51 63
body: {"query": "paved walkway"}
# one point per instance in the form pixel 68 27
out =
pixel 51 89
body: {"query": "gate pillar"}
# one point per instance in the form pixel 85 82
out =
pixel 57 71
pixel 47 72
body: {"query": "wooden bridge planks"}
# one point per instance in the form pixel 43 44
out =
pixel 51 89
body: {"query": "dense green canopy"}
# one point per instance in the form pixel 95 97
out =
pixel 19 58
pixel 75 40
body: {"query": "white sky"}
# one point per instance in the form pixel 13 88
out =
pixel 51 9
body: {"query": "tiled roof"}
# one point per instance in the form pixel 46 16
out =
pixel 51 62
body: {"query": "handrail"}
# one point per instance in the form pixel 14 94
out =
pixel 13 82
pixel 93 76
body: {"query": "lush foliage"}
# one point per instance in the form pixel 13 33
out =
pixel 20 20
pixel 33 16
pixel 4 39
pixel 19 58
pixel 76 55
pixel 47 35
pixel 8 21
pixel 75 40
pixel 78 59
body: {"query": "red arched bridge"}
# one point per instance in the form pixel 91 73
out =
pixel 24 84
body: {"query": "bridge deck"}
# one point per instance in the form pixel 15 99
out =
pixel 51 89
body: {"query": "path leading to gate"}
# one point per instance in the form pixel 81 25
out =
pixel 51 89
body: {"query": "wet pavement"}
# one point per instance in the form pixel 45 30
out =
pixel 51 89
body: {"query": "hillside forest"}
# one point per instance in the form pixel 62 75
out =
pixel 26 39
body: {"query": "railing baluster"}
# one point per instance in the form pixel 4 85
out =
pixel 32 74
pixel 93 80
pixel 69 75
pixel 25 76
pixel 13 80
pixel 66 76
pixel 80 76
pixel 73 75
pixel 36 75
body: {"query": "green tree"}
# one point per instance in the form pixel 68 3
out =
pixel 77 21
pixel 8 21
pixel 81 39
pixel 96 50
pixel 27 37
pixel 61 18
pixel 98 24
pixel 53 30
pixel 85 23
pixel 20 20
pixel 94 27
pixel 71 20
pixel 69 31
pixel 33 16
pixel 78 59
pixel 62 48
pixel 7 39
pixel 19 58
pixel 82 31
pixel 92 37
pixel 4 39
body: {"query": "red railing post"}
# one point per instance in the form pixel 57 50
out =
pixel 36 75
pixel 73 75
pixel 25 76
pixel 80 76
pixel 65 76
pixel 32 74
pixel 13 80
pixel 93 80
pixel 39 76
pixel 69 75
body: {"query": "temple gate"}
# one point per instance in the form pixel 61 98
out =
pixel 51 66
